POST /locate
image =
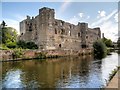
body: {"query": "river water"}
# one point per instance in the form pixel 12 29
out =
pixel 65 72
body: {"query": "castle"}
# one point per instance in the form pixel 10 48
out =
pixel 50 33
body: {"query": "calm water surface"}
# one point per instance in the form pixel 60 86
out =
pixel 67 72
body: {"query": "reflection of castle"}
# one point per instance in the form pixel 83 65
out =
pixel 50 33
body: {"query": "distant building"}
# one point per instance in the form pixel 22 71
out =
pixel 50 33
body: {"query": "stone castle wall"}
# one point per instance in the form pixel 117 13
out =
pixel 50 33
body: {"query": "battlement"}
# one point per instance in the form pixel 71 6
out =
pixel 45 9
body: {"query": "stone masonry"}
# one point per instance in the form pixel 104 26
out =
pixel 50 33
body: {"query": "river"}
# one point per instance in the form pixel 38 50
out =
pixel 65 72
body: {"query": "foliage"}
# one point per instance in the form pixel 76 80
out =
pixel 9 39
pixel 11 45
pixel 17 53
pixel 107 42
pixel 118 43
pixel 100 49
pixel 9 34
pixel 114 72
pixel 26 45
pixel 3 47
pixel 21 44
pixel 41 55
pixel 31 45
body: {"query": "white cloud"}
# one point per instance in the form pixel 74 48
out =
pixel 80 17
pixel 110 30
pixel 103 19
pixel 107 26
pixel 102 13
pixel 81 14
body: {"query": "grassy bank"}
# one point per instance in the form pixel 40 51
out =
pixel 113 73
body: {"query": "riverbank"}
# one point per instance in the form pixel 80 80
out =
pixel 114 81
pixel 13 55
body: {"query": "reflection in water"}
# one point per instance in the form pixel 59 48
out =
pixel 68 72
pixel 12 79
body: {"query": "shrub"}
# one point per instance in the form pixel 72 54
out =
pixel 31 45
pixel 3 47
pixel 17 53
pixel 11 45
pixel 99 48
pixel 26 45
pixel 21 44
pixel 41 55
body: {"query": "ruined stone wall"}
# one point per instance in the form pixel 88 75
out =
pixel 92 35
pixel 50 33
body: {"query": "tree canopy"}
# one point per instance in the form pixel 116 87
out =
pixel 100 49
pixel 107 42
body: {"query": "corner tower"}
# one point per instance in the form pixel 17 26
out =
pixel 46 18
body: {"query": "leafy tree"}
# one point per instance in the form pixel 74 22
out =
pixel 9 34
pixel 107 42
pixel 99 48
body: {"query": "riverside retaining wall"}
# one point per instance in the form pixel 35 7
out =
pixel 29 54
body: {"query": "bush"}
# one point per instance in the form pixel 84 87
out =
pixel 99 48
pixel 21 44
pixel 31 45
pixel 41 55
pixel 26 45
pixel 11 45
pixel 3 47
pixel 17 53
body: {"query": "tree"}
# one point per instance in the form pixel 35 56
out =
pixel 3 24
pixel 8 36
pixel 107 42
pixel 99 48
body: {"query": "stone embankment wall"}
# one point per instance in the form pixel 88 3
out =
pixel 7 55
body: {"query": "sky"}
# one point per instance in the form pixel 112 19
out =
pixel 96 14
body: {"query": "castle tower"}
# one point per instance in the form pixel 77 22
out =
pixel 46 18
pixel 83 31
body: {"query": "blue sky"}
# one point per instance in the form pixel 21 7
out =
pixel 103 15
